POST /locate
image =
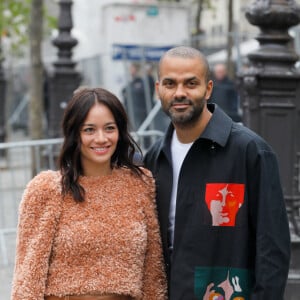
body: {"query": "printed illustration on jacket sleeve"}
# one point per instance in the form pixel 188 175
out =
pixel 219 283
pixel 224 201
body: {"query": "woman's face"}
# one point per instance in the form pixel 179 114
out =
pixel 99 136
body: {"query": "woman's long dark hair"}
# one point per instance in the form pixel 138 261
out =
pixel 75 114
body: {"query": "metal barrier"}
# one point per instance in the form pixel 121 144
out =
pixel 19 162
pixel 15 172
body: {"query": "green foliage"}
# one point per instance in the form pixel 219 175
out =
pixel 14 24
pixel 51 21
pixel 14 16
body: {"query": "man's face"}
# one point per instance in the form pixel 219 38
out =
pixel 182 89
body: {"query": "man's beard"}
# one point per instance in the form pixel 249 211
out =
pixel 189 117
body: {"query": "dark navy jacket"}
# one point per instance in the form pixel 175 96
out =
pixel 248 259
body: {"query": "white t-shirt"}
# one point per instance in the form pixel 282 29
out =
pixel 178 153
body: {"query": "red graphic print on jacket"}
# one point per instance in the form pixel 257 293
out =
pixel 223 201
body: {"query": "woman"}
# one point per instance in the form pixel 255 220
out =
pixel 89 231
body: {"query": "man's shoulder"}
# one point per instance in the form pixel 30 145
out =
pixel 243 135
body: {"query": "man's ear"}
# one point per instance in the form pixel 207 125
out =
pixel 156 87
pixel 209 89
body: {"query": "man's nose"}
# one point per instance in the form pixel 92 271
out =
pixel 180 92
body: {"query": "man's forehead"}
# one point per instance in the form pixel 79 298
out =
pixel 172 58
pixel 179 77
pixel 181 69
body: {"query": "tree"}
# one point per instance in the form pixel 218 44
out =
pixel 17 19
pixel 197 31
pixel 13 17
pixel 40 22
pixel 200 4
pixel 36 107
pixel 230 39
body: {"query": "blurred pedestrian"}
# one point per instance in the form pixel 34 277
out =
pixel 150 82
pixel 225 93
pixel 134 97
pixel 138 98
pixel 220 203
pixel 89 231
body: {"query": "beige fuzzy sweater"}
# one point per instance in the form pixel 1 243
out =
pixel 109 243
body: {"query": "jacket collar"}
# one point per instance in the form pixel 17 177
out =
pixel 217 130
pixel 219 126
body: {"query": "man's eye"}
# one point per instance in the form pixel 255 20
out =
pixel 169 84
pixel 192 83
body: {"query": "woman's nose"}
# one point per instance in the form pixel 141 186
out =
pixel 100 136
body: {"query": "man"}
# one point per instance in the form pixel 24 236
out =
pixel 224 93
pixel 219 198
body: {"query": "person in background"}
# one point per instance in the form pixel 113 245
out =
pixel 138 98
pixel 220 203
pixel 89 231
pixel 160 121
pixel 150 82
pixel 134 97
pixel 225 93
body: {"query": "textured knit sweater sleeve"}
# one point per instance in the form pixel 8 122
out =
pixel 154 274
pixel 38 216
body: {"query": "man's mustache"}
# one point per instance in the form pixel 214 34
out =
pixel 181 101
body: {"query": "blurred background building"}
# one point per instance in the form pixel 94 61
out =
pixel 113 34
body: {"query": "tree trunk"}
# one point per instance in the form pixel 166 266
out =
pixel 2 87
pixel 36 105
pixel 230 40
pixel 197 42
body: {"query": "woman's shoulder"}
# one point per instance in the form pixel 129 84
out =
pixel 146 171
pixel 47 178
pixel 125 173
pixel 42 190
pixel 144 182
pixel 44 183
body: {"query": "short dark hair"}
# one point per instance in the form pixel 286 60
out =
pixel 75 114
pixel 186 52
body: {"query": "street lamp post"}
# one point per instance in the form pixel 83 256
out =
pixel 270 95
pixel 65 79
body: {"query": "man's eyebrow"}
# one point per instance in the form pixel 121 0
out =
pixel 168 79
pixel 185 79
pixel 192 78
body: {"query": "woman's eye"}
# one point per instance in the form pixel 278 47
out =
pixel 89 130
pixel 110 128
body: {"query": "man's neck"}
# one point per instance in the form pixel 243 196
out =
pixel 189 133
